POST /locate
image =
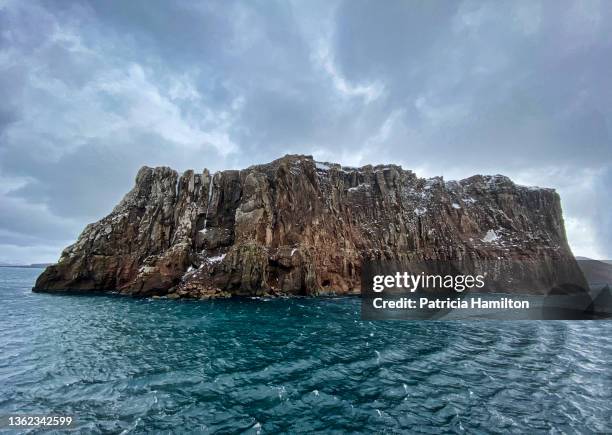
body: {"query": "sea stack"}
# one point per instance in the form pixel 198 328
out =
pixel 300 227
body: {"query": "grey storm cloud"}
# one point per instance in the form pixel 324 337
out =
pixel 93 90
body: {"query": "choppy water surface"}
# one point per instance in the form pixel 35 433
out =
pixel 301 365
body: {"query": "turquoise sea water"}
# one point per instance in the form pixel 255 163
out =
pixel 292 365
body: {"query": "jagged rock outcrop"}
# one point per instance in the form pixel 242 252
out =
pixel 296 226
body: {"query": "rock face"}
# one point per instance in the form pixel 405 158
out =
pixel 299 227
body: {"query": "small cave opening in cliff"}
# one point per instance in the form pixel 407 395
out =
pixel 326 283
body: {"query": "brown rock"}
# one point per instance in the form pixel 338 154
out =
pixel 295 226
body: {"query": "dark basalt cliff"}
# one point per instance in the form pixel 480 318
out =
pixel 295 226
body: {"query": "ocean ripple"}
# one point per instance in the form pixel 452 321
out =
pixel 293 365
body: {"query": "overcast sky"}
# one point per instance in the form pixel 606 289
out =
pixel 91 91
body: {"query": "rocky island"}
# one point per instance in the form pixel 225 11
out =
pixel 300 227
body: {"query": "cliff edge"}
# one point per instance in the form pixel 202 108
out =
pixel 299 227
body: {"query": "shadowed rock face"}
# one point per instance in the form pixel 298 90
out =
pixel 295 226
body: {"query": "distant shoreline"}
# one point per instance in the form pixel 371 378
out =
pixel 27 266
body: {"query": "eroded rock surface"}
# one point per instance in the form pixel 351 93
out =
pixel 299 227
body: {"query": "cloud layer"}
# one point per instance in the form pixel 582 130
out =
pixel 91 91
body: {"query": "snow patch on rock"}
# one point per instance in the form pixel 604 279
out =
pixel 420 211
pixel 490 237
pixel 216 259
